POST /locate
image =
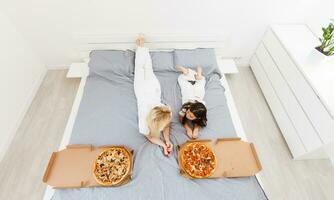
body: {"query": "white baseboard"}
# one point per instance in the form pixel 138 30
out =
pixel 24 109
pixel 57 67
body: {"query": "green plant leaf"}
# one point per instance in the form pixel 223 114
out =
pixel 331 50
pixel 327 37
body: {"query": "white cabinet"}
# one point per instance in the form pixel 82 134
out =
pixel 298 98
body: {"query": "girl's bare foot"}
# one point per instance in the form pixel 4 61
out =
pixel 140 40
pixel 198 75
pixel 182 69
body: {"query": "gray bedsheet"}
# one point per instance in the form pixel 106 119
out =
pixel 108 115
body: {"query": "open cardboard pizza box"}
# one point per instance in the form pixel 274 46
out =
pixel 73 167
pixel 235 158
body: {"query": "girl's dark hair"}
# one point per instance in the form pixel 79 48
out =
pixel 199 110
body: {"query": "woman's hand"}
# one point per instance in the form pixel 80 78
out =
pixel 165 150
pixel 159 142
pixel 169 146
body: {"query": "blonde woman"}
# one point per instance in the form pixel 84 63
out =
pixel 153 116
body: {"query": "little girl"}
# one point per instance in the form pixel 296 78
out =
pixel 193 111
pixel 153 116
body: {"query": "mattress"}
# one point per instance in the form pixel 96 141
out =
pixel 108 115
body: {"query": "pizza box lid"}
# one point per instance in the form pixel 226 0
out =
pixel 73 167
pixel 235 158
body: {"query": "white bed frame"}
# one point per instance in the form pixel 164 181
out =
pixel 156 42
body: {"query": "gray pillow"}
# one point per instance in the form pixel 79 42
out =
pixel 115 62
pixel 163 61
pixel 204 57
pixel 109 63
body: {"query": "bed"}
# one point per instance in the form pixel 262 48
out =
pixel 108 115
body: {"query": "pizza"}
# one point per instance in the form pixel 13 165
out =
pixel 198 160
pixel 112 166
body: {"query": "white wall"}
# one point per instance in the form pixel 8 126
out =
pixel 21 72
pixel 320 16
pixel 50 25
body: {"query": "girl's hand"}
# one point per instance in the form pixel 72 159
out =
pixel 195 132
pixel 189 133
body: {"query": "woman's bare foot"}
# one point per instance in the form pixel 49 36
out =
pixel 182 69
pixel 198 75
pixel 140 41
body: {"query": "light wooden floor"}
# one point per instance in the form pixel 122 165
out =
pixel 42 128
pixel 39 135
pixel 282 177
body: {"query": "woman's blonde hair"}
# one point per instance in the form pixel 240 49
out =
pixel 158 118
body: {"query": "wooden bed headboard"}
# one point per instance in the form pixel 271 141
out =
pixel 156 42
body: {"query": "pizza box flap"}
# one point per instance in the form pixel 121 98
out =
pixel 235 158
pixel 72 167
